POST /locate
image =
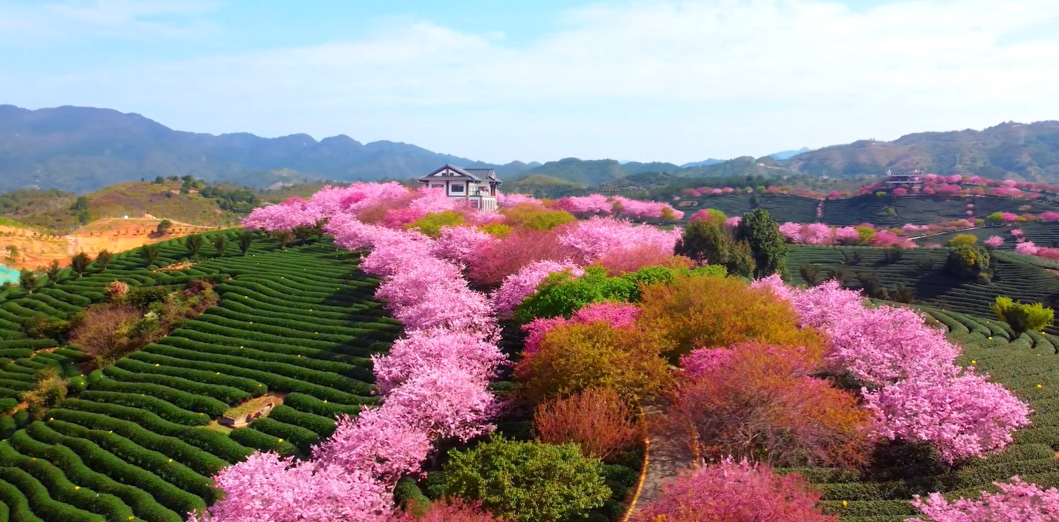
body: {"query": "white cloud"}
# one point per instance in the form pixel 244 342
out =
pixel 673 81
pixel 40 23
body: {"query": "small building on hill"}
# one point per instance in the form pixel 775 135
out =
pixel 894 179
pixel 478 187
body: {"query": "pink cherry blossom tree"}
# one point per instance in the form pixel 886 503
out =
pixel 1017 501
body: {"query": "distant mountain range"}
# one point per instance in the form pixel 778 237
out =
pixel 81 149
pixel 1010 150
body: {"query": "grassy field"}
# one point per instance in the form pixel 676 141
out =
pixel 1028 366
pixel 136 443
pixel 52 210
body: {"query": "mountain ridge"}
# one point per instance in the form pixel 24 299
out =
pixel 80 149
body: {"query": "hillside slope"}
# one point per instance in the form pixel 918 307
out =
pixel 79 149
pixel 1027 152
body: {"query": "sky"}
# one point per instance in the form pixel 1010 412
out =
pixel 649 80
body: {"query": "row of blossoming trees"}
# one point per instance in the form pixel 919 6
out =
pixel 768 374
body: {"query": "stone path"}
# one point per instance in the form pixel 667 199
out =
pixel 669 454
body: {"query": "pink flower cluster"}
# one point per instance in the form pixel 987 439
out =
pixel 587 205
pixel 644 209
pixel 598 236
pixel 705 361
pixel 434 382
pixel 917 392
pixel 994 242
pixel 459 244
pixel 819 234
pixel 1017 501
pixel 597 204
pixel 734 492
pixel 284 216
pixel 511 200
pixel 518 286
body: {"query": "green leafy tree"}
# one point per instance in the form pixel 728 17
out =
pixel 527 481
pixel 710 241
pixel 740 260
pixel 79 263
pixel 220 244
pixel 53 271
pixel 150 253
pixel 103 259
pixel 27 279
pixel 80 205
pixel 245 239
pixel 705 242
pixel 767 246
pixel 159 180
pixel 12 253
pixel 1023 317
pixel 811 273
pixel 164 226
pixel 194 244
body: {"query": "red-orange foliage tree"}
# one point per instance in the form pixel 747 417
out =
pixel 760 403
pixel 574 357
pixel 596 419
pixel 519 248
pixel 449 510
pixel 623 261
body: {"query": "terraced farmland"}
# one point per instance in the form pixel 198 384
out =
pixel 922 271
pixel 140 441
pixel 1028 366
pixel 919 210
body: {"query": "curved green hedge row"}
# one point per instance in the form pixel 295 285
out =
pixel 220 393
pixel 142 503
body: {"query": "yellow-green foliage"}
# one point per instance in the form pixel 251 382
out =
pixel 496 229
pixel 1023 317
pixel 431 223
pixel 533 216
pixel 962 239
pixel 866 234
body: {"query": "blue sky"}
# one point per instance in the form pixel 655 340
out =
pixel 649 80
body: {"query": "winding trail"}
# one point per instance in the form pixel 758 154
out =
pixel 669 453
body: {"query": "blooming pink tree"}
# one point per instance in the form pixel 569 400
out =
pixel 617 315
pixel 913 386
pixel 1050 216
pixel 959 413
pixel 523 284
pixel 436 348
pixel 994 242
pixel 734 492
pixel 1017 501
pixel 268 487
pixel 460 244
pixel 597 237
pixel 587 205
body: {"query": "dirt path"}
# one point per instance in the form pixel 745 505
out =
pixel 669 454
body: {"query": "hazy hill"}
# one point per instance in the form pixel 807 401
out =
pixel 79 149
pixel 788 154
pixel 703 163
pixel 1010 150
pixel 594 172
